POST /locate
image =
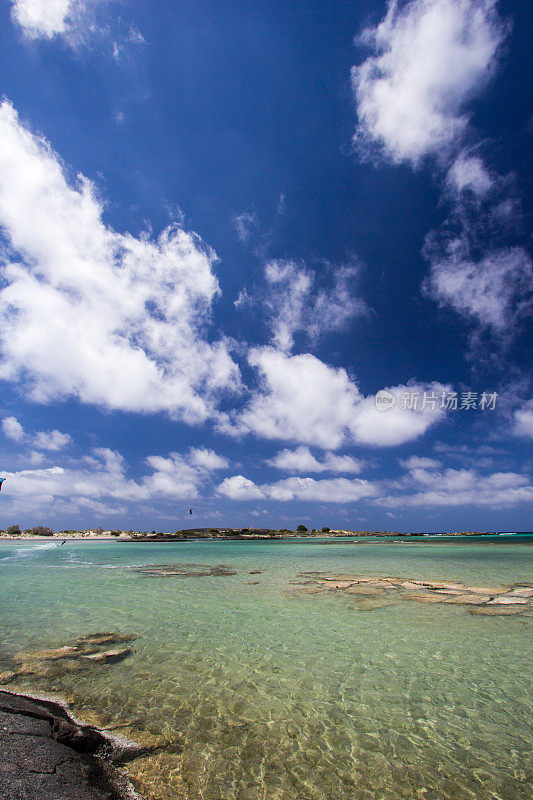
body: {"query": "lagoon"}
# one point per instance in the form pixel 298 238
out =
pixel 256 691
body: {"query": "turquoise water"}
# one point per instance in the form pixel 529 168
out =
pixel 262 693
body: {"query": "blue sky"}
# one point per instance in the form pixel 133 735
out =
pixel 225 227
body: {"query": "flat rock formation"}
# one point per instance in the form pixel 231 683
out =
pixel 46 755
pixel 82 653
pixel 367 591
pixel 184 570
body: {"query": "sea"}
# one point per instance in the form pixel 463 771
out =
pixel 248 688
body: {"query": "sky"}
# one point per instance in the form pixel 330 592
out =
pixel 267 260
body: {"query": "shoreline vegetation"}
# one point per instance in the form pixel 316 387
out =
pixel 40 532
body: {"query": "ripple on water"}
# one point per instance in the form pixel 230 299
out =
pixel 260 695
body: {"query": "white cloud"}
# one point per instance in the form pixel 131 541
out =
pixel 302 460
pixel 302 399
pixel 331 490
pixel 12 428
pixel 101 478
pixel 243 299
pixel 51 440
pixel 206 459
pixel 328 490
pixel 239 488
pixel 495 291
pixel 295 303
pixel 111 319
pixel 416 462
pixel 469 173
pixel 42 17
pixel 49 18
pixel 523 420
pixel 430 57
pixel 246 225
pixel 450 487
pixel 36 458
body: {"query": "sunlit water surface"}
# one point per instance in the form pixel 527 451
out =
pixel 264 694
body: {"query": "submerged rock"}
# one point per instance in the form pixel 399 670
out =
pixel 427 597
pixel 506 600
pixel 469 599
pixel 521 592
pixel 184 571
pixel 383 590
pixel 84 653
pixel 109 656
pixel 493 611
pixel 98 639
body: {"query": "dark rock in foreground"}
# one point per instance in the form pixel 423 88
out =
pixel 46 755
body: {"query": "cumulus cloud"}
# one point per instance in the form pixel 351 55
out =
pixel 100 479
pixel 49 18
pixel 302 460
pixel 240 488
pixel 329 490
pixel 424 488
pixel 51 440
pixel 12 428
pixel 206 459
pixel 523 420
pixel 114 320
pixel 295 303
pixel 469 173
pixel 429 58
pixel 302 399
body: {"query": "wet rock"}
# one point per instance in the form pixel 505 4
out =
pixel 338 584
pixel 47 756
pixel 382 590
pixel 48 655
pixel 501 611
pixel 99 639
pixel 256 571
pixel 109 656
pixel 364 590
pixel 427 597
pixel 504 600
pixel 520 592
pixel 469 599
pixel 83 653
pixel 175 570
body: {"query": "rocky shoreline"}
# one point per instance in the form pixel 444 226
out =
pixel 48 755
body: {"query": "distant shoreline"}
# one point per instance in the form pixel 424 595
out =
pixel 234 534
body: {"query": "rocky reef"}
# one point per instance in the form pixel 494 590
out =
pixel 184 570
pixel 375 592
pixel 82 653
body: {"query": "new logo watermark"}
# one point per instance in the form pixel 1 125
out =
pixel 446 400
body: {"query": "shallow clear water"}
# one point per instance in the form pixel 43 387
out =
pixel 263 693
